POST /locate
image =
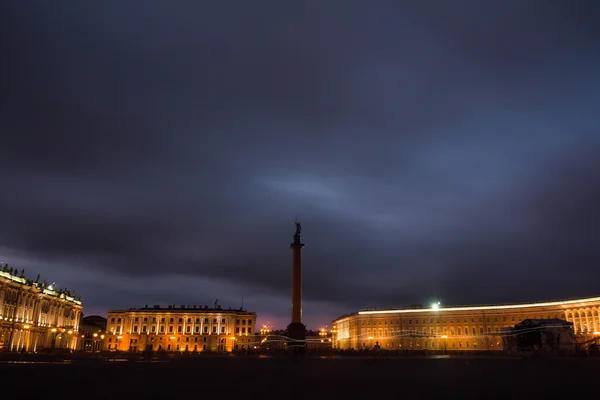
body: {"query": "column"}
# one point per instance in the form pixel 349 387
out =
pixel 589 327
pixel 2 291
pixel 36 310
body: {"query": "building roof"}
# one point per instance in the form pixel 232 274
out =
pixel 41 287
pixel 186 308
pixel 483 307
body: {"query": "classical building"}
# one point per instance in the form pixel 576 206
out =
pixel 183 328
pixel 457 328
pixel 35 316
pixel 91 333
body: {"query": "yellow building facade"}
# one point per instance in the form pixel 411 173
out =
pixel 179 329
pixel 34 316
pixel 469 328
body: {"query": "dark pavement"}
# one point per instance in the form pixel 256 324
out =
pixel 222 377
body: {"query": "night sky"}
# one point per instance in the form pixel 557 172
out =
pixel 158 152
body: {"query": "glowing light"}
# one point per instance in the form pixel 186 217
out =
pixel 370 337
pixel 70 332
pixel 172 338
pixel 482 308
pixel 53 330
pixel 444 336
pixel 119 337
pixel 25 326
pixel 435 306
pixel 596 333
pixel 95 335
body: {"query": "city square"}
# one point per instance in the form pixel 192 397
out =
pixel 319 377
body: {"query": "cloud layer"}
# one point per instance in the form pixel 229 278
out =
pixel 160 154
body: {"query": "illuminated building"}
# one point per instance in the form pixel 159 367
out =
pixel 191 328
pixel 91 333
pixel 318 341
pixel 36 316
pixel 457 328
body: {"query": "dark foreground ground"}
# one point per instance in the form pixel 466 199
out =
pixel 222 377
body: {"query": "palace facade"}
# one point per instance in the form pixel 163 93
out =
pixel 34 316
pixel 183 328
pixel 469 328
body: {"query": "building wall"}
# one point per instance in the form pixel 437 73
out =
pixel 33 317
pixel 180 329
pixel 91 333
pixel 457 328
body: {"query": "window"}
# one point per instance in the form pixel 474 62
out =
pixel 179 329
pixel 162 329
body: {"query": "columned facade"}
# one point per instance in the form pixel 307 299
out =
pixel 180 329
pixel 469 328
pixel 34 316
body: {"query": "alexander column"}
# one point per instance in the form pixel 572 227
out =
pixel 297 330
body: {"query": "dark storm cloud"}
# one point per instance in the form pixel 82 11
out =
pixel 434 149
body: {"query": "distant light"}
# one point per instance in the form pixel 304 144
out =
pixel 435 306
